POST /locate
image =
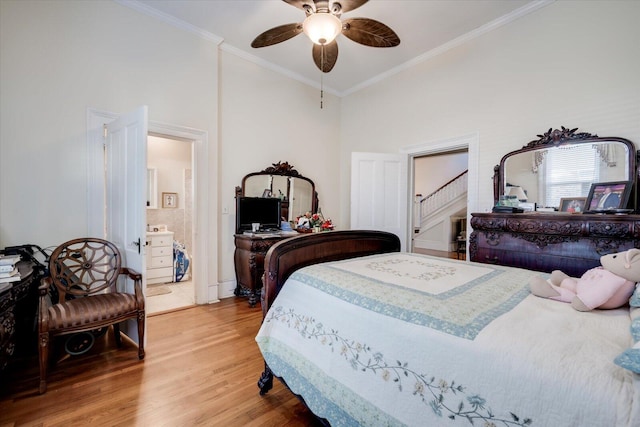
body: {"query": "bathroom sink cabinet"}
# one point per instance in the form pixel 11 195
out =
pixel 159 257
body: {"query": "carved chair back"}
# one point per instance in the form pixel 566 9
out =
pixel 83 267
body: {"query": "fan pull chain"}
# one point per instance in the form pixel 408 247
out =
pixel 321 90
pixel 321 76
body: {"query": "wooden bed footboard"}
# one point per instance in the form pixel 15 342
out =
pixel 289 255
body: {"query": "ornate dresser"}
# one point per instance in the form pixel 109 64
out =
pixel 249 262
pixel 566 172
pixel 18 306
pixel 298 195
pixel 539 241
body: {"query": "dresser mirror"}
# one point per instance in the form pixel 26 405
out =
pixel 563 164
pixel 281 180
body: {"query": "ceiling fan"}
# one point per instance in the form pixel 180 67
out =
pixel 322 25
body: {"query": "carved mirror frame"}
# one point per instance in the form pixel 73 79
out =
pixel 566 137
pixel 282 169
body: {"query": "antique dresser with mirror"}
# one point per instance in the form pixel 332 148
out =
pixel 561 165
pixel 297 195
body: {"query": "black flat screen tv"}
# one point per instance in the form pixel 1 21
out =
pixel 264 210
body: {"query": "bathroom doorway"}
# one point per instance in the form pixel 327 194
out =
pixel 170 219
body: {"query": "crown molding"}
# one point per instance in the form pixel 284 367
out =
pixel 490 26
pixel 271 66
pixel 219 41
pixel 171 20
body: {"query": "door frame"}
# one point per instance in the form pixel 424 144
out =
pixel 471 143
pixel 204 207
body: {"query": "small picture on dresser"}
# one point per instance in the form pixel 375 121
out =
pixel 572 204
pixel 169 200
pixel 608 195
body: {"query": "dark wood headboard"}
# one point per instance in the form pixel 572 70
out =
pixel 289 255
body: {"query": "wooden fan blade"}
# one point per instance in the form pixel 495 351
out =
pixel 370 32
pixel 277 35
pixel 325 56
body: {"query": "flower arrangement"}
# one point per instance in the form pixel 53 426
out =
pixel 311 222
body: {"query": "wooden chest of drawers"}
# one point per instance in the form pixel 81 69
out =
pixel 546 242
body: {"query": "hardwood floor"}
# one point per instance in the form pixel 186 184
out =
pixel 201 368
pixel 441 254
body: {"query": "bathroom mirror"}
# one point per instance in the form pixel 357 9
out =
pixel 564 163
pixel 152 188
pixel 281 180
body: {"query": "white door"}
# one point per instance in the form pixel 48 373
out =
pixel 379 196
pixel 125 194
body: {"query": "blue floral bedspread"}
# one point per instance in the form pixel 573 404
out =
pixel 403 339
pixel 457 299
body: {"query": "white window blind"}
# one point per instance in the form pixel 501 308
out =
pixel 570 172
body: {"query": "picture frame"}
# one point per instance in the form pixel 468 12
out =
pixel 169 200
pixel 572 204
pixel 616 195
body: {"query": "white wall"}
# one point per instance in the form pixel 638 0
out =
pixel 170 157
pixel 572 64
pixel 266 118
pixel 60 57
pixel 432 172
pixel 57 59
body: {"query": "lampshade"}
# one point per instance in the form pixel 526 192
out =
pixel 321 27
pixel 518 192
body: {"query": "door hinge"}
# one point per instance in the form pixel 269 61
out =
pixel 104 131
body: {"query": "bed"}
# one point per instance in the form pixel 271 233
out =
pixel 367 335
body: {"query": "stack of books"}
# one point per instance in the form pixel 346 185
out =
pixel 8 271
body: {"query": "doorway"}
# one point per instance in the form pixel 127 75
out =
pixel 204 178
pixel 440 204
pixel 458 220
pixel 170 222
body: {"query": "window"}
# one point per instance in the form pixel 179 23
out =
pixel 570 172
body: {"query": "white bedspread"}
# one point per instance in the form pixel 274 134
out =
pixel 407 339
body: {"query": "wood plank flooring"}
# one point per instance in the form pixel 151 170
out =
pixel 201 368
pixel 441 254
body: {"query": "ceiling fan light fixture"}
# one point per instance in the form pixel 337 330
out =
pixel 322 28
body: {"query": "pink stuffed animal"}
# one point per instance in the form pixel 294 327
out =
pixel 605 287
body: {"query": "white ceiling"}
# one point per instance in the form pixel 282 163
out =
pixel 425 28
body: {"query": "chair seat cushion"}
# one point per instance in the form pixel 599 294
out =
pixel 86 310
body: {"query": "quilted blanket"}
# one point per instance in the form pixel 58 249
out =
pixel 405 339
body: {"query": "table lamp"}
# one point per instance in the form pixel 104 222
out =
pixel 518 192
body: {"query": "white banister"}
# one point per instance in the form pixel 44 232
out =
pixel 441 197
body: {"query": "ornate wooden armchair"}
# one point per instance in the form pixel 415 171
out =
pixel 85 272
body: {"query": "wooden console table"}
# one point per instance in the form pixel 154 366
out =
pixel 249 263
pixel 544 242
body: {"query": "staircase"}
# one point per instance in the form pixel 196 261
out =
pixel 438 215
